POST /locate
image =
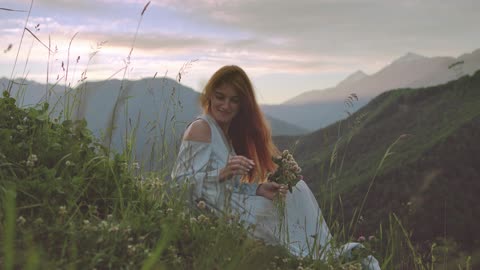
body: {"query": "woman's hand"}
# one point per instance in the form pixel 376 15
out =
pixel 270 189
pixel 236 165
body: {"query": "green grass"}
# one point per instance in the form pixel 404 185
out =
pixel 71 202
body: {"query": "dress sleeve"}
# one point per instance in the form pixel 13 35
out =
pixel 193 166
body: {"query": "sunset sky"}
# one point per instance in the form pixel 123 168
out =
pixel 287 47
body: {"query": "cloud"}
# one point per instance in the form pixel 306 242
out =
pixel 306 38
pixel 348 27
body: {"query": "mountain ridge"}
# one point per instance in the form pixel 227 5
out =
pixel 434 158
pixel 322 107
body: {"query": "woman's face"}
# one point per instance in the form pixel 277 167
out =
pixel 225 104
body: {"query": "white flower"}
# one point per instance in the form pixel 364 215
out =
pixel 21 220
pixel 62 210
pixel 31 160
pixel 68 163
pixel 201 205
pixel 33 157
pixel 202 218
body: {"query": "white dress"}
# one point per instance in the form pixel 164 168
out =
pixel 301 228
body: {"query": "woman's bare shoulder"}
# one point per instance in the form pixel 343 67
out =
pixel 198 131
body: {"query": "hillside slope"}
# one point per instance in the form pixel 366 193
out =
pixel 432 176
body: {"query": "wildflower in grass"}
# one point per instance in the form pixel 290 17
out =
pixel 371 238
pixel 32 159
pixel 201 205
pixel 21 220
pixel 361 238
pixel 169 210
pixel 361 220
pixel 193 220
pixel 202 219
pixel 114 228
pixel 68 163
pixel 103 224
pixel 131 249
pixel 62 210
pixel 136 165
pixel 38 221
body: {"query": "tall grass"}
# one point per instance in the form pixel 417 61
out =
pixel 82 206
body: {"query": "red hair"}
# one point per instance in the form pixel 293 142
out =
pixel 249 131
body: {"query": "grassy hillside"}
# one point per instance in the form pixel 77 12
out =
pixel 429 176
pixel 69 203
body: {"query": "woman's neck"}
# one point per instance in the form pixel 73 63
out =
pixel 225 128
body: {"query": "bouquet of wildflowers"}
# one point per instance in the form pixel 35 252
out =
pixel 288 171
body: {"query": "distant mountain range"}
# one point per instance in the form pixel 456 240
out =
pixel 318 108
pixel 157 112
pixel 430 178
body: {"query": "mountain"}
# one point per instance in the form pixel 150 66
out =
pixel 430 176
pixel 352 79
pixel 157 110
pixel 318 108
pixel 280 127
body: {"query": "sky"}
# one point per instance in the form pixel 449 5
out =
pixel 287 47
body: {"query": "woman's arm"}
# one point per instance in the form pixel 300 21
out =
pixel 193 164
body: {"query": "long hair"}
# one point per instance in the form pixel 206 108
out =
pixel 249 131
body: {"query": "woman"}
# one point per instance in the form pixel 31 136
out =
pixel 225 156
